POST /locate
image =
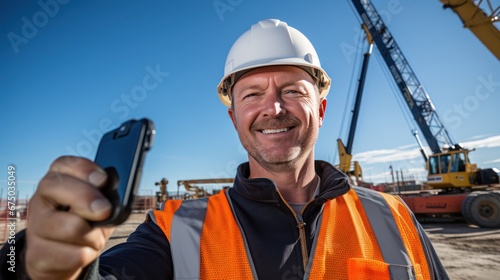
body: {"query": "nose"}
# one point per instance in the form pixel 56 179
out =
pixel 273 105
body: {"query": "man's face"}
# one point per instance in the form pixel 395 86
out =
pixel 277 113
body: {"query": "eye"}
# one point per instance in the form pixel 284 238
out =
pixel 292 91
pixel 252 94
pixel 249 95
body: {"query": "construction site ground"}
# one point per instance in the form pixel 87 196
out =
pixel 467 252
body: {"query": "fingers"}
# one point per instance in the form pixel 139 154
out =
pixel 68 228
pixel 60 240
pixel 71 183
pixel 58 191
pixel 80 168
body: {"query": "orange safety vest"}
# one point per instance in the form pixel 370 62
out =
pixel 363 235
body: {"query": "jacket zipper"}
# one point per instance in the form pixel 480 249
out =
pixel 302 231
pixel 302 236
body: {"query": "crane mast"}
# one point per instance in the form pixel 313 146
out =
pixel 413 92
pixel 346 165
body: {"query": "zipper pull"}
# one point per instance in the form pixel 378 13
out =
pixel 300 222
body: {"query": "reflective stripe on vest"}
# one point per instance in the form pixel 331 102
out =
pixel 387 234
pixel 185 238
pixel 358 238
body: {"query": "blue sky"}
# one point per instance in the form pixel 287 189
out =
pixel 71 70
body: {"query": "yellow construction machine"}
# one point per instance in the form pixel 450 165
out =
pixel 194 190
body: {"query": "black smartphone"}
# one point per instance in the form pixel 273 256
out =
pixel 121 153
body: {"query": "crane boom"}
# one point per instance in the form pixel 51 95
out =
pixel 413 92
pixel 478 21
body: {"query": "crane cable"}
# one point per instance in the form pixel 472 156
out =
pixel 409 119
pixel 396 92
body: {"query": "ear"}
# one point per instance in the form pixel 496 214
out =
pixel 322 110
pixel 230 112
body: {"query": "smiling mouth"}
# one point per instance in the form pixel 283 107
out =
pixel 273 131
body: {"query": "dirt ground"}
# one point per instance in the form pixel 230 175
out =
pixel 467 252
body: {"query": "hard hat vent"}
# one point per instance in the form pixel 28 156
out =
pixel 309 58
pixel 269 23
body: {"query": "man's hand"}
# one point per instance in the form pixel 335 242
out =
pixel 60 241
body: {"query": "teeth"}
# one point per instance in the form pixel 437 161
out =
pixel 270 131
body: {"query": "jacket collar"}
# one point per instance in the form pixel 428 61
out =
pixel 333 183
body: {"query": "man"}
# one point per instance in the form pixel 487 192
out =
pixel 286 217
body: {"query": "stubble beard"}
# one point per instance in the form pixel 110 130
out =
pixel 284 161
pixel 269 159
pixel 276 163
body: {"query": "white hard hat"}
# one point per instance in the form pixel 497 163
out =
pixel 271 42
